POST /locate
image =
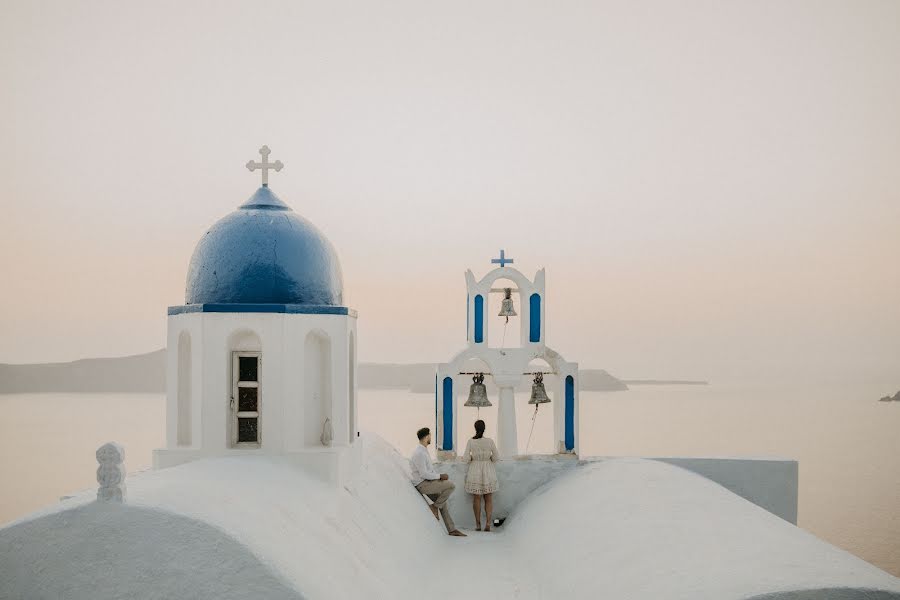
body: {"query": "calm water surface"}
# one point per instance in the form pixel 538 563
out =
pixel 848 445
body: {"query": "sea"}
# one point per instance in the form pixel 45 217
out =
pixel 846 442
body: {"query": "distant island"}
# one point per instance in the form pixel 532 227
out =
pixel 895 398
pixel 663 382
pixel 141 373
pixel 146 373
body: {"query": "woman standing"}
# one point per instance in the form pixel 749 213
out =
pixel 481 479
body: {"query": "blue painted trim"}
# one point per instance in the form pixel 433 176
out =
pixel 479 319
pixel 534 335
pixel 293 309
pixel 448 413
pixel 570 413
pixel 468 311
pixel 437 404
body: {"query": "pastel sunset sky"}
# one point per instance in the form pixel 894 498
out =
pixel 713 187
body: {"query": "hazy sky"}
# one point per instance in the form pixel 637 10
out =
pixel 713 187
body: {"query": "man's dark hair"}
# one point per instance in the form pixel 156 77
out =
pixel 423 432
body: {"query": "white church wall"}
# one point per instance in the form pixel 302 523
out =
pixel 287 422
pixel 197 383
pixel 292 410
pixel 559 406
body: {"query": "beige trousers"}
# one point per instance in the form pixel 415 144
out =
pixel 439 491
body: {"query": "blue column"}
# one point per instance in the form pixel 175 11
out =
pixel 479 319
pixel 448 414
pixel 437 406
pixel 570 413
pixel 534 335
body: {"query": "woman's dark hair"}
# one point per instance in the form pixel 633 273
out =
pixel 423 432
pixel 479 430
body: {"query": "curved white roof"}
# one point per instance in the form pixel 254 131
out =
pixel 617 528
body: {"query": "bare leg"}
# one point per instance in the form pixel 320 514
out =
pixel 489 510
pixel 476 507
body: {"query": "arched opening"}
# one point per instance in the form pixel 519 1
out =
pixel 246 398
pixel 351 394
pixel 317 388
pixel 504 332
pixel 183 434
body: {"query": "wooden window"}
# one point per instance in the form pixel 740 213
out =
pixel 245 399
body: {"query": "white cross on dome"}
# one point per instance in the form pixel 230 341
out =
pixel 265 165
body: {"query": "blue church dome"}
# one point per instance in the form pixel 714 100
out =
pixel 264 253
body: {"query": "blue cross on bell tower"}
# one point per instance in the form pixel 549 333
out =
pixel 502 260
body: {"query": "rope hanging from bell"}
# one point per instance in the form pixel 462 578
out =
pixel 530 433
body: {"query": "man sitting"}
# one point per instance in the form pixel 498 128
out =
pixel 432 484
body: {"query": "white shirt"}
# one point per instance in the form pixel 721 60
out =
pixel 420 466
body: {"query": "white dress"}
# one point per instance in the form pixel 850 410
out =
pixel 481 454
